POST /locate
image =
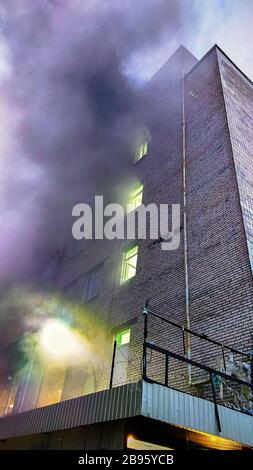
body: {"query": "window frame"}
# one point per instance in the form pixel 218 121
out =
pixel 125 264
pixel 137 191
pixel 118 337
pixel 91 276
pixel 141 150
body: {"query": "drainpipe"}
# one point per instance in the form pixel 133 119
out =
pixel 187 311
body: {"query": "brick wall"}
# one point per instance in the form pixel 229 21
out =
pixel 220 279
pixel 220 282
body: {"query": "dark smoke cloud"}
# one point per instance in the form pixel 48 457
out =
pixel 72 114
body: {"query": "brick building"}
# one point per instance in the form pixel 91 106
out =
pixel 196 151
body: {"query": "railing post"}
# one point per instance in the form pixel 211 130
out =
pixel 145 313
pixel 113 362
pixel 215 403
pixel 144 362
pixel 145 335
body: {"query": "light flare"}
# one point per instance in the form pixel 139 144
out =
pixel 59 342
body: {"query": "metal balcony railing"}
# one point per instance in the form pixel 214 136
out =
pixel 185 358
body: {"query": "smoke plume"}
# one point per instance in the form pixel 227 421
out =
pixel 71 114
pixel 70 79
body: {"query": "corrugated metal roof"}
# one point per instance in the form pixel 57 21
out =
pixel 142 398
pixel 115 403
pixel 182 409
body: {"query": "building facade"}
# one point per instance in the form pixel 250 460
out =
pixel 196 151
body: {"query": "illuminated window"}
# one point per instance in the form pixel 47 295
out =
pixel 121 357
pixel 51 386
pixel 141 151
pixel 92 284
pixel 129 263
pixel 135 199
pixel 123 337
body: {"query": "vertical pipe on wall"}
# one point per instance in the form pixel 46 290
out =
pixel 187 310
pixel 145 335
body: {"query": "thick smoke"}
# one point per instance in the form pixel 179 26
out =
pixel 71 114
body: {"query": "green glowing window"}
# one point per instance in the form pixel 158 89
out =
pixel 141 151
pixel 129 263
pixel 123 337
pixel 135 199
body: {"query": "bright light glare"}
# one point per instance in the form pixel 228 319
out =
pixel 59 342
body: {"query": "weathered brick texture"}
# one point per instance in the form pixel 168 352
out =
pixel 219 194
pixel 218 135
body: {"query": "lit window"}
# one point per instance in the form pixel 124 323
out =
pixel 92 284
pixel 141 151
pixel 121 357
pixel 135 199
pixel 129 264
pixel 123 337
pixel 51 385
